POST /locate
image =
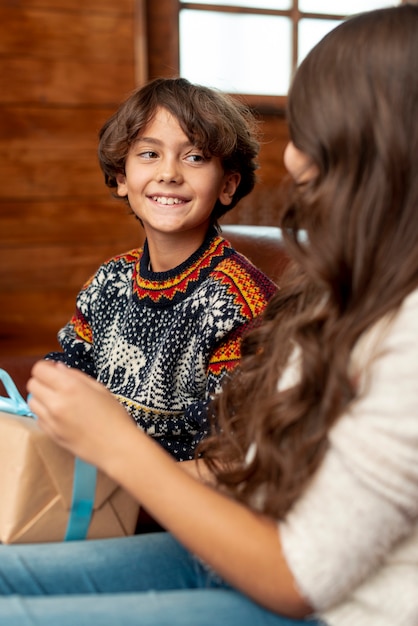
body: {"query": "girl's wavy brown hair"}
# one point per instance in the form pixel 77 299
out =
pixel 218 124
pixel 352 109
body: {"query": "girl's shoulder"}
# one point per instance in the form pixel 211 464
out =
pixel 396 332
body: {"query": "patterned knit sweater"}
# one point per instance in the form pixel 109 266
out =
pixel 163 341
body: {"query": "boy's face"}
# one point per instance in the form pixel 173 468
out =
pixel 170 185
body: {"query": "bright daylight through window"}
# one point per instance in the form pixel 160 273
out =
pixel 228 44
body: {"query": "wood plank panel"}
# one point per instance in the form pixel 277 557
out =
pixel 44 174
pixel 64 222
pixel 53 267
pixel 52 153
pixel 163 40
pixel 29 308
pixel 32 319
pixel 40 123
pixel 64 82
pixel 275 135
pixel 59 35
pixel 119 7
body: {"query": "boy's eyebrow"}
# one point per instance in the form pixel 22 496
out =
pixel 158 142
pixel 148 139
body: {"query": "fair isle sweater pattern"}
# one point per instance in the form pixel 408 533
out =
pixel 163 341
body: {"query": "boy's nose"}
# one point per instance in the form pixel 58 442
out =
pixel 169 171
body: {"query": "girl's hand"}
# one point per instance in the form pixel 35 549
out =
pixel 76 411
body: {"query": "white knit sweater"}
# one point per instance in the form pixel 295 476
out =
pixel 352 540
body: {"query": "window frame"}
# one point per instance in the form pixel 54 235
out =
pixel 163 25
pixel 264 104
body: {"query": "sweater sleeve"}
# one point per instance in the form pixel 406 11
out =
pixel 249 290
pixel 76 337
pixel 363 500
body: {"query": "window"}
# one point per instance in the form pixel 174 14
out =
pixel 229 44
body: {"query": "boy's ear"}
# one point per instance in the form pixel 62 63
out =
pixel 122 188
pixel 230 185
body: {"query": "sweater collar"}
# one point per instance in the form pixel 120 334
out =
pixel 167 288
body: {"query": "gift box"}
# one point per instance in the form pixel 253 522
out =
pixel 36 487
pixel 38 480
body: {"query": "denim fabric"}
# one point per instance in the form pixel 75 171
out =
pixel 148 580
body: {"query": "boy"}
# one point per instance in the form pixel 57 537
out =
pixel 161 326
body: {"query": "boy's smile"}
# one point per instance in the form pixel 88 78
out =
pixel 172 188
pixel 169 200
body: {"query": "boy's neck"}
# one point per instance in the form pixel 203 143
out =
pixel 168 250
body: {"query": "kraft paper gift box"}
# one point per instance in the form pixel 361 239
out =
pixel 36 489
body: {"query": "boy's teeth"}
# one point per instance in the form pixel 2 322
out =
pixel 164 200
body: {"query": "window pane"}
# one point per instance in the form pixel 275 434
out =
pixel 256 4
pixel 236 53
pixel 312 31
pixel 343 7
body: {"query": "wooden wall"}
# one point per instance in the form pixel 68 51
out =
pixel 64 68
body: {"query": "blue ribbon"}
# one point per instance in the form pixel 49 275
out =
pixel 84 488
pixel 15 403
pixel 85 475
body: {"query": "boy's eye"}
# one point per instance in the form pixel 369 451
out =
pixel 195 158
pixel 148 154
